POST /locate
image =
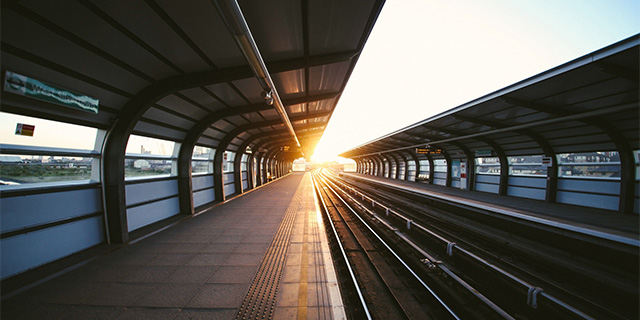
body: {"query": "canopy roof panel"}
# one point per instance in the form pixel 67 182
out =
pixel 168 67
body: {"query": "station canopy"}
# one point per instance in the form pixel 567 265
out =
pixel 184 71
pixel 589 104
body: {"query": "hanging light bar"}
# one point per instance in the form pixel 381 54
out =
pixel 237 25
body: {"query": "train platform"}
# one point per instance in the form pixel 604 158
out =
pixel 263 254
pixel 624 226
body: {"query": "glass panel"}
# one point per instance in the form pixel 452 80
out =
pixel 200 152
pixel 526 166
pixel 145 167
pixel 152 146
pixel 227 161
pixel 198 166
pixel 488 165
pixel 24 169
pixel 590 164
pixel 47 133
pixel 440 165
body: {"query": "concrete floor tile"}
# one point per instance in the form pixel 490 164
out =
pixel 100 273
pixel 236 274
pixel 171 259
pixel 148 314
pixel 243 259
pixel 32 310
pixel 208 259
pixel 191 274
pixel 252 248
pixel 175 295
pixel 60 292
pixel 291 274
pixel 219 296
pixel 126 258
pixel 118 294
pixel 286 313
pixel 288 295
pixel 258 239
pixel 150 273
pixel 235 239
pixel 207 314
pixel 92 312
pixel 220 248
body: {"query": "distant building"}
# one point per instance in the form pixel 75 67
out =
pixel 141 164
pixel 10 159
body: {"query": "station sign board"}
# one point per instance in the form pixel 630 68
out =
pixel 546 161
pixel 289 149
pixel 29 87
pixel 429 150
pixel 483 153
pixel 25 129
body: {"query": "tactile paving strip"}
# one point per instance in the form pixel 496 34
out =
pixel 260 301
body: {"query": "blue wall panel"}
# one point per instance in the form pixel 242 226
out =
pixel 491 188
pixel 203 197
pixel 589 200
pixel 202 182
pixel 148 191
pixel 32 210
pixel 27 251
pixel 488 178
pixel 439 178
pixel 595 186
pixel 228 177
pixel 229 189
pixel 523 181
pixel 487 183
pixel 140 216
pixel 440 182
pixel 530 193
pixel 527 187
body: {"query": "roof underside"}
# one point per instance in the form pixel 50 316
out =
pixel 585 105
pixel 181 57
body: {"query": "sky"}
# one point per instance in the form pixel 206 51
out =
pixel 424 57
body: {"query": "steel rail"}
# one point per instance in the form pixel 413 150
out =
pixel 451 245
pixel 413 273
pixel 342 251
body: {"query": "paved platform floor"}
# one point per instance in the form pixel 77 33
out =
pixel 262 254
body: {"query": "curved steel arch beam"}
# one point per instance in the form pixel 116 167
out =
pixel 405 164
pixel 415 159
pixel 224 143
pixel 246 143
pixel 132 111
pixel 185 188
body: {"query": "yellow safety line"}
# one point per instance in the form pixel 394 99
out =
pixel 302 289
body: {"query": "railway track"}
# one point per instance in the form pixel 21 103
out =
pixel 387 280
pixel 516 278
